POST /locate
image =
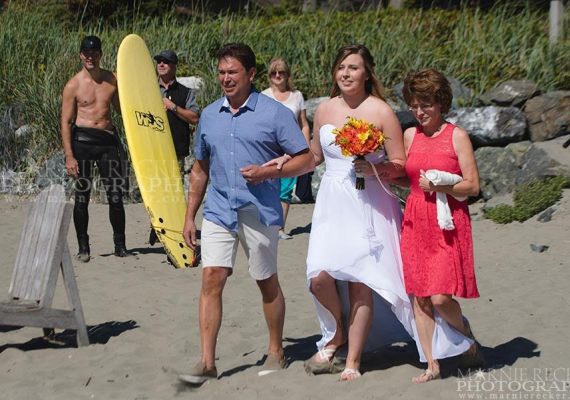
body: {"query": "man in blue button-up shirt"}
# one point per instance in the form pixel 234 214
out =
pixel 236 135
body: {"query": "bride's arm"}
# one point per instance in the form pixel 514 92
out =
pixel 404 181
pixel 315 145
pixel 393 169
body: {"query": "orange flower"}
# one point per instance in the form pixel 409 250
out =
pixel 358 138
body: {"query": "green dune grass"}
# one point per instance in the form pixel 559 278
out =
pixel 481 49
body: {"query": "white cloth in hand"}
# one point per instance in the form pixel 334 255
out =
pixel 437 177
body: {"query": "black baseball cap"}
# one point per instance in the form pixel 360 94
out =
pixel 90 43
pixel 168 55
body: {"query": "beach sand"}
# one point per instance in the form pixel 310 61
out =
pixel 142 318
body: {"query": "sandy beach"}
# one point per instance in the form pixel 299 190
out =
pixel 143 325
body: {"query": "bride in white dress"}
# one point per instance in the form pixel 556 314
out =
pixel 354 266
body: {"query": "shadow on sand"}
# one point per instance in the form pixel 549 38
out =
pixel 301 349
pixel 300 230
pixel 295 350
pixel 503 355
pixel 98 334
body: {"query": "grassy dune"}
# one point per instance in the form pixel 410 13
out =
pixel 481 49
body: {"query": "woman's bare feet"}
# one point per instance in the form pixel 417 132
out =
pixel 322 361
pixel 350 374
pixel 426 376
pixel 431 373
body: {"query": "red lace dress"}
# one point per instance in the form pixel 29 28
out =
pixel 435 261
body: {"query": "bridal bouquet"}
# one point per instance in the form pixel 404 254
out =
pixel 358 138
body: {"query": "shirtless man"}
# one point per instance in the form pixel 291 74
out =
pixel 89 136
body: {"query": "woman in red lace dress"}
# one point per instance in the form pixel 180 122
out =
pixel 437 262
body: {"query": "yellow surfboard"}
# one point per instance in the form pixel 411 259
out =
pixel 151 148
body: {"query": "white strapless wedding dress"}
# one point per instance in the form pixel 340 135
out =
pixel 355 237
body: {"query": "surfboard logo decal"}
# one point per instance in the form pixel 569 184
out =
pixel 149 120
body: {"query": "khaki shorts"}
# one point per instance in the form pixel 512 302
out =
pixel 219 246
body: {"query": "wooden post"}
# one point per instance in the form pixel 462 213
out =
pixel 556 20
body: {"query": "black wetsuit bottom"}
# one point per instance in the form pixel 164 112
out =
pixel 93 146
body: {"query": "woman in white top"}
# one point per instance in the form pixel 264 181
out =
pixel 281 89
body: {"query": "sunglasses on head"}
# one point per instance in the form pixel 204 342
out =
pixel 163 61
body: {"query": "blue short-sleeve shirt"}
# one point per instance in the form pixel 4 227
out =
pixel 261 130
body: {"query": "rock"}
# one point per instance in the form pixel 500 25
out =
pixel 23 131
pixel 555 150
pixel 548 115
pixel 476 210
pixel 397 105
pixel 546 215
pixel 538 164
pixel 500 199
pixel 490 126
pixel 397 90
pixel 407 119
pixel 538 248
pixel 193 82
pixel 8 181
pixel 312 105
pixel 461 94
pixel 498 167
pixel 511 93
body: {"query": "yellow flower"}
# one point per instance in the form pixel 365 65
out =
pixel 356 123
pixel 363 136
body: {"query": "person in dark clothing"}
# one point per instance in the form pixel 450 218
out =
pixel 181 110
pixel 304 189
pixel 89 137
pixel 179 102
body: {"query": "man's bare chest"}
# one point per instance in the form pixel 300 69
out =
pixel 90 93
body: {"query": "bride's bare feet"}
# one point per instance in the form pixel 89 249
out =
pixel 426 376
pixel 322 361
pixel 431 373
pixel 327 353
pixel 350 374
